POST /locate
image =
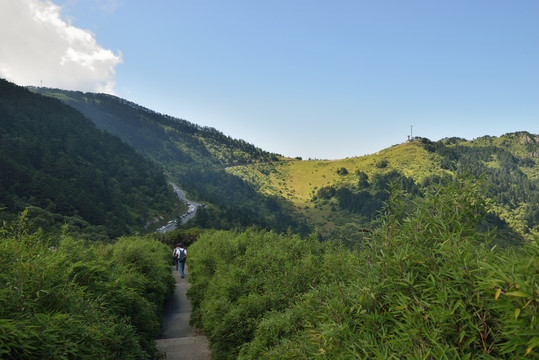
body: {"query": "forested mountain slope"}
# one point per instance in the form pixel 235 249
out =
pixel 55 161
pixel 339 199
pixel 342 197
pixel 172 142
pixel 194 157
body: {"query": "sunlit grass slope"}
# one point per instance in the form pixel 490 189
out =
pixel 298 181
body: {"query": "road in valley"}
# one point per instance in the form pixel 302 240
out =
pixel 191 211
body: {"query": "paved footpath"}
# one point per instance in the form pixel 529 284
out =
pixel 177 340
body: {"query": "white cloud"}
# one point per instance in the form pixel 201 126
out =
pixel 38 46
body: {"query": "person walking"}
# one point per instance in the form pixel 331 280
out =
pixel 182 256
pixel 175 255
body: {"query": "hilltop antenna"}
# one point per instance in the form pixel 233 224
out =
pixel 411 132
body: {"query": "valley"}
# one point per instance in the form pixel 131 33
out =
pixel 428 235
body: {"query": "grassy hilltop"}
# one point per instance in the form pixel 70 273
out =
pixel 319 188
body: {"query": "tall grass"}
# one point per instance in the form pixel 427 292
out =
pixel 83 301
pixel 426 285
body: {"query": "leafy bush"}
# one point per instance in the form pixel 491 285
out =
pixel 83 301
pixel 426 285
pixel 342 171
pixel 382 163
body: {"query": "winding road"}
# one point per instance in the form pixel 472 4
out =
pixel 193 207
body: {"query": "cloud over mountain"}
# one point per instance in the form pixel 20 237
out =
pixel 39 47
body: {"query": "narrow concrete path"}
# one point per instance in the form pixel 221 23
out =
pixel 177 339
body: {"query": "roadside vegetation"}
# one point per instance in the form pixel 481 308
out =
pixel 80 299
pixel 426 284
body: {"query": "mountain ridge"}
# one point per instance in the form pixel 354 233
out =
pixel 334 197
pixel 308 183
pixel 193 157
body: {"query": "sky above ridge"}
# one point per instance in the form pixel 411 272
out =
pixel 310 78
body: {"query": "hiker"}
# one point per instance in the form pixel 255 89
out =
pixel 175 255
pixel 182 256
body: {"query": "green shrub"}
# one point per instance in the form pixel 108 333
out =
pixel 426 285
pixel 83 301
pixel 237 277
pixel 512 281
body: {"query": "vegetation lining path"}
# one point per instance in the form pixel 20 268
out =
pixel 178 340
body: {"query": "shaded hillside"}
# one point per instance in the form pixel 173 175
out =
pixel 510 165
pixel 342 197
pixel 171 142
pixel 55 159
pixel 194 157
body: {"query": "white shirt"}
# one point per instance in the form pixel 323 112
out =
pixel 178 250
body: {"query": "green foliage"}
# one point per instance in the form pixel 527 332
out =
pixel 179 236
pixel 236 204
pixel 514 281
pixel 85 300
pixel 424 285
pixel 193 156
pixel 382 164
pixel 237 277
pixel 55 159
pixel 326 192
pixel 367 198
pixel 510 167
pixel 342 171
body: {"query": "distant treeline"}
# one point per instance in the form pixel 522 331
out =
pixel 514 192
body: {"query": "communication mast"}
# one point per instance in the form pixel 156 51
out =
pixel 411 136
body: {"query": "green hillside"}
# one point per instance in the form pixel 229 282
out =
pixel 174 143
pixel 409 268
pixel 245 185
pixel 55 162
pixel 342 197
pixel 422 285
pixel 194 157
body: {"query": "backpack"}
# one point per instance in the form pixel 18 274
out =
pixel 182 256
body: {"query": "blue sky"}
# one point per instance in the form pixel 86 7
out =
pixel 317 79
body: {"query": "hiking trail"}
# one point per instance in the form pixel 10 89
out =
pixel 177 340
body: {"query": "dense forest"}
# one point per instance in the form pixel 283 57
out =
pixel 512 175
pixel 55 161
pixel 194 157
